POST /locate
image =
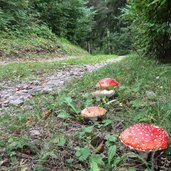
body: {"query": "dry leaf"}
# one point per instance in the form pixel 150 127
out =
pixel 4 162
pixel 43 81
pixel 29 120
pixel 46 114
pixel 100 147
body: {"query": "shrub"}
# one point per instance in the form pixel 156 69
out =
pixel 150 25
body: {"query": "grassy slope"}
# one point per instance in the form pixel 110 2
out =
pixel 65 143
pixel 33 69
pixel 35 44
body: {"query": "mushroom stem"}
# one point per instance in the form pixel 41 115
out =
pixel 143 154
pixel 94 119
pixel 104 100
pixel 152 161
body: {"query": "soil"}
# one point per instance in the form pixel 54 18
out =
pixel 37 59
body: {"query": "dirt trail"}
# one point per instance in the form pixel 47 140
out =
pixel 20 93
pixel 21 60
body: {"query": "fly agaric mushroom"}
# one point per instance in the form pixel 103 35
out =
pixel 145 137
pixel 107 83
pixel 103 93
pixel 93 112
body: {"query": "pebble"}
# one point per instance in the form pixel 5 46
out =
pixel 17 102
pixel 34 132
pixel 150 93
pixel 36 83
pixel 46 90
pixel 18 94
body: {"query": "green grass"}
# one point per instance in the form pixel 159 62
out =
pixel 33 69
pixel 69 142
pixel 23 44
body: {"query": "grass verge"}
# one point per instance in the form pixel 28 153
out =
pixel 32 69
pixel 48 132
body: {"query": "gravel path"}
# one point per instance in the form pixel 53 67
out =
pixel 18 60
pixel 19 94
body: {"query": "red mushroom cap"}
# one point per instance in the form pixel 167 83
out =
pixel 145 137
pixel 107 83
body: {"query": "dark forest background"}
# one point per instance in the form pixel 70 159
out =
pixel 99 26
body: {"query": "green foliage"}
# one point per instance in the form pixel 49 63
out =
pixel 14 13
pixel 120 42
pixel 108 34
pixel 82 153
pixel 35 41
pixel 16 143
pixel 64 116
pixel 96 27
pixel 69 18
pixel 59 140
pixel 69 102
pixel 110 160
pixel 150 27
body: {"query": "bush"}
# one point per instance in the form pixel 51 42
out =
pixel 69 18
pixel 150 25
pixel 121 42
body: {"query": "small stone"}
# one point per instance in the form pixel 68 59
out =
pixel 24 91
pixel 6 102
pixel 5 96
pixel 36 83
pixel 35 90
pixel 34 132
pixel 46 90
pixel 19 88
pixel 17 102
pixel 150 94
pixel 71 74
pixel 26 87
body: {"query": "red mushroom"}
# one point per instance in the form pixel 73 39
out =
pixel 145 137
pixel 107 83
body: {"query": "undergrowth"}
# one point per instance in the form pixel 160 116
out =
pixel 34 42
pixel 48 133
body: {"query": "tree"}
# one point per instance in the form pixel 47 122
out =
pixel 150 25
pixel 107 27
pixel 14 13
pixel 69 18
